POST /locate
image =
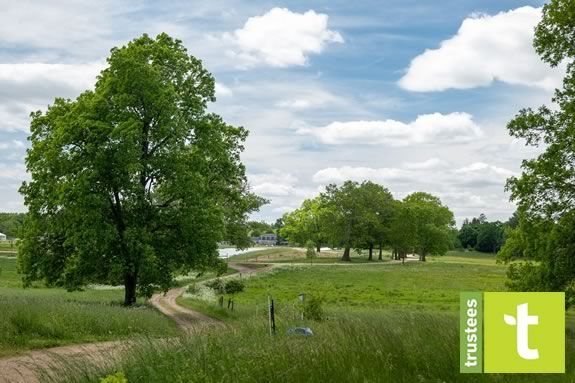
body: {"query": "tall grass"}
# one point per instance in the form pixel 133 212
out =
pixel 28 322
pixel 378 347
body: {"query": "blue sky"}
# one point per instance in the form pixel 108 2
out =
pixel 412 94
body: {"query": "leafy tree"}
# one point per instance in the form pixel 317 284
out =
pixel 468 235
pixel 133 181
pixel 305 224
pixel 403 230
pixel 378 211
pixel 432 221
pixel 490 237
pixel 544 192
pixel 346 216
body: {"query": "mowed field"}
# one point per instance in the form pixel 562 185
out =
pixel 40 317
pixel 384 323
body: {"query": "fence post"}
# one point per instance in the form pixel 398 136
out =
pixel 272 320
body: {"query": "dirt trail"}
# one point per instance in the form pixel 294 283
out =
pixel 34 365
pixel 26 368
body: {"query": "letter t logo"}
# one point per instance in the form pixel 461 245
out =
pixel 523 321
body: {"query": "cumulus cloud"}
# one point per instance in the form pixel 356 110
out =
pixel 433 128
pixel 223 91
pixel 485 49
pixel 433 171
pixel 468 190
pixel 273 184
pixel 26 87
pixel 282 38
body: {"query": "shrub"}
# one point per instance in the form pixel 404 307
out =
pixel 217 285
pixel 234 286
pixel 193 288
pixel 313 308
pixel 310 249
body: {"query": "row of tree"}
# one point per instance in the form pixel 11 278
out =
pixel 359 216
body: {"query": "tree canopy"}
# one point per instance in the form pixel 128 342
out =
pixel 134 180
pixel 545 191
pixel 363 215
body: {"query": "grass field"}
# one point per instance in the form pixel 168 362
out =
pixel 386 346
pixel 434 285
pixel 41 317
pixel 297 255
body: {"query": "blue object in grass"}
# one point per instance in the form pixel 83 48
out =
pixel 305 331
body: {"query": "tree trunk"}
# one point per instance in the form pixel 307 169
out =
pixel 318 247
pixel 380 257
pixel 370 258
pixel 130 281
pixel 346 257
pixel 422 257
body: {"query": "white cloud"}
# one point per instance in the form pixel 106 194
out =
pixel 14 144
pixel 282 38
pixel 431 172
pixel 433 128
pixel 485 49
pixel 467 190
pixel 223 91
pixel 268 189
pixel 432 163
pixel 26 87
pixel 358 173
pixel 59 25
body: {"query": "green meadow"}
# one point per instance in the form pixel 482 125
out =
pixel 40 317
pixel 383 323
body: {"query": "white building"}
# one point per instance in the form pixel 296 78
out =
pixel 268 239
pixel 2 237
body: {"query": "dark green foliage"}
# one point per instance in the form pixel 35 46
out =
pixel 221 287
pixel 134 180
pixel 11 224
pixel 482 235
pixel 490 237
pixel 313 308
pixel 234 286
pixel 545 192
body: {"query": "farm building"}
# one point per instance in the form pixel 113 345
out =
pixel 2 237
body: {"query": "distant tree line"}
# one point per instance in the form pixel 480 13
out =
pixel 365 216
pixel 482 235
pixel 11 224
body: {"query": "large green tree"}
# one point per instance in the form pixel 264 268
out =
pixel 378 212
pixel 344 213
pixel 432 224
pixel 133 181
pixel 545 191
pixel 304 224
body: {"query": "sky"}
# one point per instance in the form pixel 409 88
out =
pixel 414 95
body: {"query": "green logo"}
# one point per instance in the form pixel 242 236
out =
pixel 512 332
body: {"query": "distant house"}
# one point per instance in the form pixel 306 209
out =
pixel 268 239
pixel 2 237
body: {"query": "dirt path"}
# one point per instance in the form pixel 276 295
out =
pixel 26 368
pixel 33 366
